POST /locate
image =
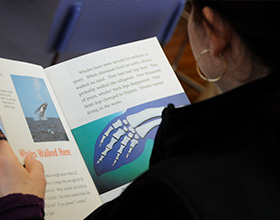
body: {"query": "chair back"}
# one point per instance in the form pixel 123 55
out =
pixel 89 25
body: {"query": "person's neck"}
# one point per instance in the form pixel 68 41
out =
pixel 230 81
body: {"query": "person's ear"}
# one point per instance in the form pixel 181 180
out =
pixel 218 32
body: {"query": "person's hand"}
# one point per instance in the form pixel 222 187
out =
pixel 14 178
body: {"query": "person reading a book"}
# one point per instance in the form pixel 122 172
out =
pixel 217 159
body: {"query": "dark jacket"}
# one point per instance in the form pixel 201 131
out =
pixel 217 159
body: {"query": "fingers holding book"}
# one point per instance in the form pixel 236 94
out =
pixel 17 179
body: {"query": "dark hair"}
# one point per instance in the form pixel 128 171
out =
pixel 256 22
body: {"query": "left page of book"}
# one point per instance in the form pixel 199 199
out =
pixel 33 123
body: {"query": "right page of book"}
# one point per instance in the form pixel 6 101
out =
pixel 113 100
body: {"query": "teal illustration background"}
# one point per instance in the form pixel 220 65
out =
pixel 86 137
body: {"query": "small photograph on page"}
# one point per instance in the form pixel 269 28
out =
pixel 39 110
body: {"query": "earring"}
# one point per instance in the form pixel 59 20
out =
pixel 204 77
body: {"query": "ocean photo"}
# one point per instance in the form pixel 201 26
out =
pixel 39 110
pixel 50 129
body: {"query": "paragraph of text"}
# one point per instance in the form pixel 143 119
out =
pixel 104 85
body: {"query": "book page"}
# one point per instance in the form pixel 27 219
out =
pixel 112 100
pixel 33 123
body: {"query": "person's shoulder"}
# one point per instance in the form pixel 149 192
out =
pixel 223 180
pixel 246 158
pixel 183 165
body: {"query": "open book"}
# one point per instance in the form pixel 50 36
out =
pixel 91 120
